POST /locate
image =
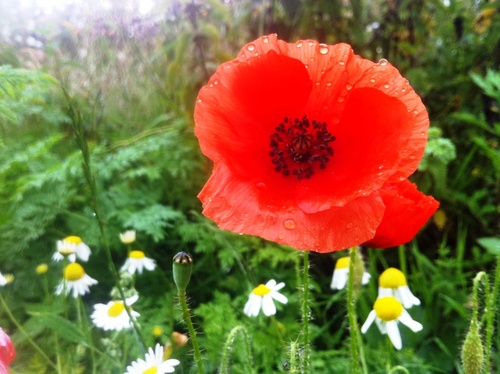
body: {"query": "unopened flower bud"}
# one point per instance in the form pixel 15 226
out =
pixel 182 266
pixel 472 353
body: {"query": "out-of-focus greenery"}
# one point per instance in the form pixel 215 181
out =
pixel 135 78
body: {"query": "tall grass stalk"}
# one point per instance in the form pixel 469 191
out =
pixel 77 123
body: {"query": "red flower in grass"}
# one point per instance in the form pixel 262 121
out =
pixel 406 211
pixel 303 137
pixel 7 352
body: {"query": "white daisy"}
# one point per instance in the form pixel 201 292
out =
pixel 3 280
pixel 71 247
pixel 153 363
pixel 113 316
pixel 75 280
pixel 137 261
pixel 127 237
pixel 341 274
pixel 262 297
pixel 392 282
pixel 387 312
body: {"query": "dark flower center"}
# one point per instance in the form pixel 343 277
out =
pixel 300 145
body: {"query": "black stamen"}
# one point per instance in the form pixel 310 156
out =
pixel 299 145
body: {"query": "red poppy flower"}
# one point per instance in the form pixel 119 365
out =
pixel 303 136
pixel 7 352
pixel 406 211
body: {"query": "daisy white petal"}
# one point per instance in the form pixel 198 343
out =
pixel 392 282
pixel 393 333
pixel 369 320
pixel 262 297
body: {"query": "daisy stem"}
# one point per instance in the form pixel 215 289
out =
pixel 402 259
pixel 305 310
pixel 192 333
pixel 77 122
pixel 23 331
pixel 227 349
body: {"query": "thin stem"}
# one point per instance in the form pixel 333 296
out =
pixel 305 310
pixel 351 312
pixel 91 181
pixel 228 346
pixel 402 259
pixel 293 358
pixel 23 331
pixel 491 311
pixel 192 333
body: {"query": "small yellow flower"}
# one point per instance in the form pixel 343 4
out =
pixel 157 331
pixel 42 269
pixel 137 261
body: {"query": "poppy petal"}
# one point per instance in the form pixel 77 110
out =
pixel 239 205
pixel 407 210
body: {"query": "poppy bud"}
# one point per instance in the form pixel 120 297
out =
pixel 472 353
pixel 182 266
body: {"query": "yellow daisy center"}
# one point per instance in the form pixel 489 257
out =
pixel 116 309
pixel 73 272
pixel 42 269
pixel 261 290
pixel 342 263
pixel 137 255
pixel 157 331
pixel 73 240
pixel 392 278
pixel 388 308
pixel 151 370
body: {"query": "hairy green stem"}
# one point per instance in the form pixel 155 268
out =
pixel 23 331
pixel 228 347
pixel 351 312
pixel 491 311
pixel 398 368
pixel 305 311
pixel 192 333
pixel 293 358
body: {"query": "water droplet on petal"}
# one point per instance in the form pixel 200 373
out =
pixel 318 83
pixel 299 44
pixel 250 47
pixel 311 44
pixel 240 233
pixel 216 82
pixel 199 100
pixel 349 225
pixel 341 99
pixel 289 224
pixel 372 80
pixel 380 167
pixel 261 185
pixel 383 62
pixel 306 66
pixel 323 49
pixel 348 87
pixel 386 86
pixel 328 84
pixel 341 63
pixel 265 39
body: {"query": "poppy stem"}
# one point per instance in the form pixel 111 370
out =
pixel 192 332
pixel 228 348
pixel 357 353
pixel 305 310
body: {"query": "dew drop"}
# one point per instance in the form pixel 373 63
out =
pixel 323 49
pixel 306 66
pixel 380 167
pixel 382 62
pixel 289 224
pixel 403 90
pixel 341 99
pixel 200 101
pixel 265 39
pixel 386 86
pixel 349 225
pixel 372 80
pixel 216 82
pixel 299 44
pixel 251 47
pixel 415 111
pixel 348 87
pixel 240 233
pixel 328 84
pixel 261 185
pixel 311 44
pixel 341 63
pixel 318 83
